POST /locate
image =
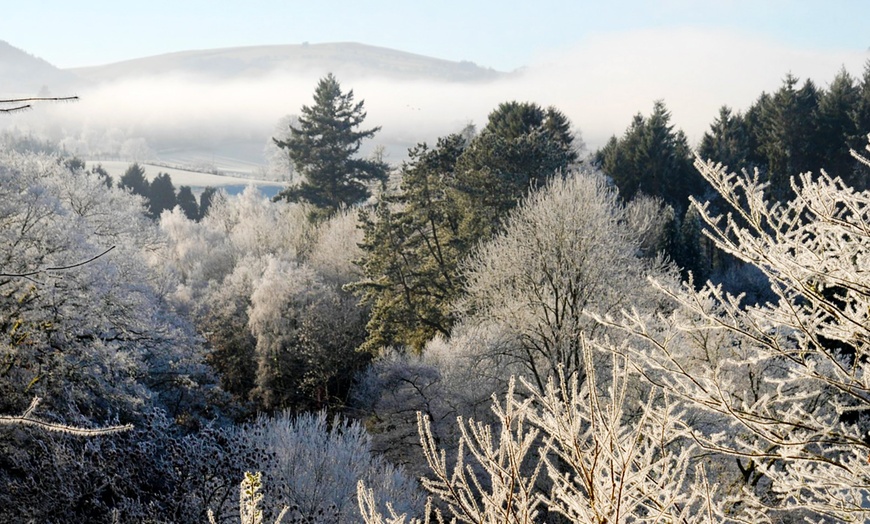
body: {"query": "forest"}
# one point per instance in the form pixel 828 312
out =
pixel 502 329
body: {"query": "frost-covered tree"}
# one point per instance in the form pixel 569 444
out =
pixel 781 386
pixel 306 341
pixel 265 287
pixel 568 248
pixel 569 452
pixel 100 337
pixel 312 466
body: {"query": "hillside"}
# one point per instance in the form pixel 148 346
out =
pixel 22 74
pixel 348 60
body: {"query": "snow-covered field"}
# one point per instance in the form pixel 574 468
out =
pixel 196 180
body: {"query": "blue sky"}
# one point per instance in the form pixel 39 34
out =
pixel 504 35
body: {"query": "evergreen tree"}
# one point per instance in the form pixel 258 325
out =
pixel 654 159
pixel 727 141
pixel 835 125
pixel 187 202
pixel 205 200
pixel 323 150
pixel 134 180
pixel 521 147
pixel 787 136
pixel 860 114
pixel 100 171
pixel 412 250
pixel 162 195
pixel 450 198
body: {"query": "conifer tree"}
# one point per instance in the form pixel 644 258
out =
pixel 324 150
pixel 787 136
pixel 452 197
pixel 412 250
pixel 652 158
pixel 835 125
pixel 134 180
pixel 727 141
pixel 205 200
pixel 187 202
pixel 521 147
pixel 161 195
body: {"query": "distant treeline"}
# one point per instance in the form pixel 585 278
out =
pixel 797 129
pixel 160 194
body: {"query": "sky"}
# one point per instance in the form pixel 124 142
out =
pixel 599 61
pixel 504 35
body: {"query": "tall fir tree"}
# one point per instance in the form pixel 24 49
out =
pixel 134 180
pixel 324 150
pixel 522 146
pixel 205 200
pixel 836 126
pixel 727 141
pixel 861 123
pixel 652 158
pixel 412 249
pixel 161 195
pixel 451 197
pixel 787 135
pixel 187 202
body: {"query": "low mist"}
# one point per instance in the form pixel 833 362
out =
pixel 599 84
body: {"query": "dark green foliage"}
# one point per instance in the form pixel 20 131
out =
pixel 323 150
pixel 727 141
pixel 74 164
pixel 860 114
pixel 205 200
pixel 654 159
pixel 451 197
pixel 495 174
pixel 187 202
pixel 161 196
pixel 514 119
pixel 135 181
pixel 836 126
pixel 787 135
pixel 232 347
pixel 413 246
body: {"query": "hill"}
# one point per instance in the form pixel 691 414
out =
pixel 348 60
pixel 22 74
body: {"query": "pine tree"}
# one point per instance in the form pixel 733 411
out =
pixel 654 159
pixel 323 150
pixel 412 250
pixel 787 136
pixel 161 195
pixel 187 202
pixel 836 126
pixel 860 114
pixel 134 180
pixel 727 141
pixel 521 147
pixel 450 198
pixel 205 200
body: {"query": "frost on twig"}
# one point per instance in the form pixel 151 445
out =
pixel 14 105
pixel 27 419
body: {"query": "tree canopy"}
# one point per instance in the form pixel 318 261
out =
pixel 324 148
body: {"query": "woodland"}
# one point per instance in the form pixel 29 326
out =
pixel 504 328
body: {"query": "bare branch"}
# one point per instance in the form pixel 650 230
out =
pixel 27 419
pixel 57 268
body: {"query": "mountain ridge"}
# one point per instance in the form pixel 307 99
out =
pixel 349 59
pixel 23 74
